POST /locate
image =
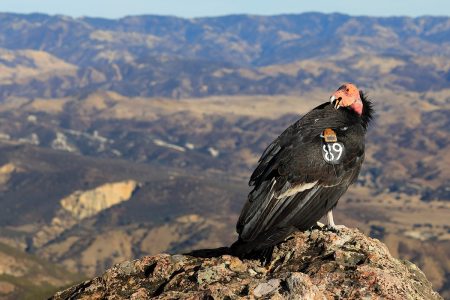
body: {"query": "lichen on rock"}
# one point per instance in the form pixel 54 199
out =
pixel 316 264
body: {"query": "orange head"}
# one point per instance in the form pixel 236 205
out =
pixel 348 96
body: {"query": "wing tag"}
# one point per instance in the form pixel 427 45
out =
pixel 332 150
pixel 329 135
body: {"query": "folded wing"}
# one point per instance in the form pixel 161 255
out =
pixel 294 186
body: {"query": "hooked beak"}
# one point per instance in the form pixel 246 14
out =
pixel 338 101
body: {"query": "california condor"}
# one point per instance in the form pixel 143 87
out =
pixel 303 173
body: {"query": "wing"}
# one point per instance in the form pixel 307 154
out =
pixel 293 185
pixel 302 131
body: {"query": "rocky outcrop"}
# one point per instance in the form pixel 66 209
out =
pixel 317 264
pixel 6 171
pixel 84 204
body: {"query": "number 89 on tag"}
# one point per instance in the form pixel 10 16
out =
pixel 333 152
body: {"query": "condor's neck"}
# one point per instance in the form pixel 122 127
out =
pixel 367 110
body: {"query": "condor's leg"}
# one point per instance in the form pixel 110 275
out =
pixel 330 221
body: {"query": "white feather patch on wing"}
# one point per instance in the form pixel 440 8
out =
pixel 309 195
pixel 290 190
pixel 256 210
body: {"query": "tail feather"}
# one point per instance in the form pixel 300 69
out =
pixel 245 250
pixel 209 253
pixel 262 247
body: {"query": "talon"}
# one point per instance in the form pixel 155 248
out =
pixel 335 228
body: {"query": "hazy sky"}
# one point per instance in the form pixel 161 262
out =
pixel 195 8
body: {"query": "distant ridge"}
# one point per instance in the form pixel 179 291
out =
pixel 237 54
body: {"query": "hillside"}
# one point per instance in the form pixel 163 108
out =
pixel 146 129
pixel 116 140
pixel 25 276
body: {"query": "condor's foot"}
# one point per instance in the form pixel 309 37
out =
pixel 330 223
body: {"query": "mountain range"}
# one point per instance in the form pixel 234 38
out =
pixel 121 138
pixel 178 58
